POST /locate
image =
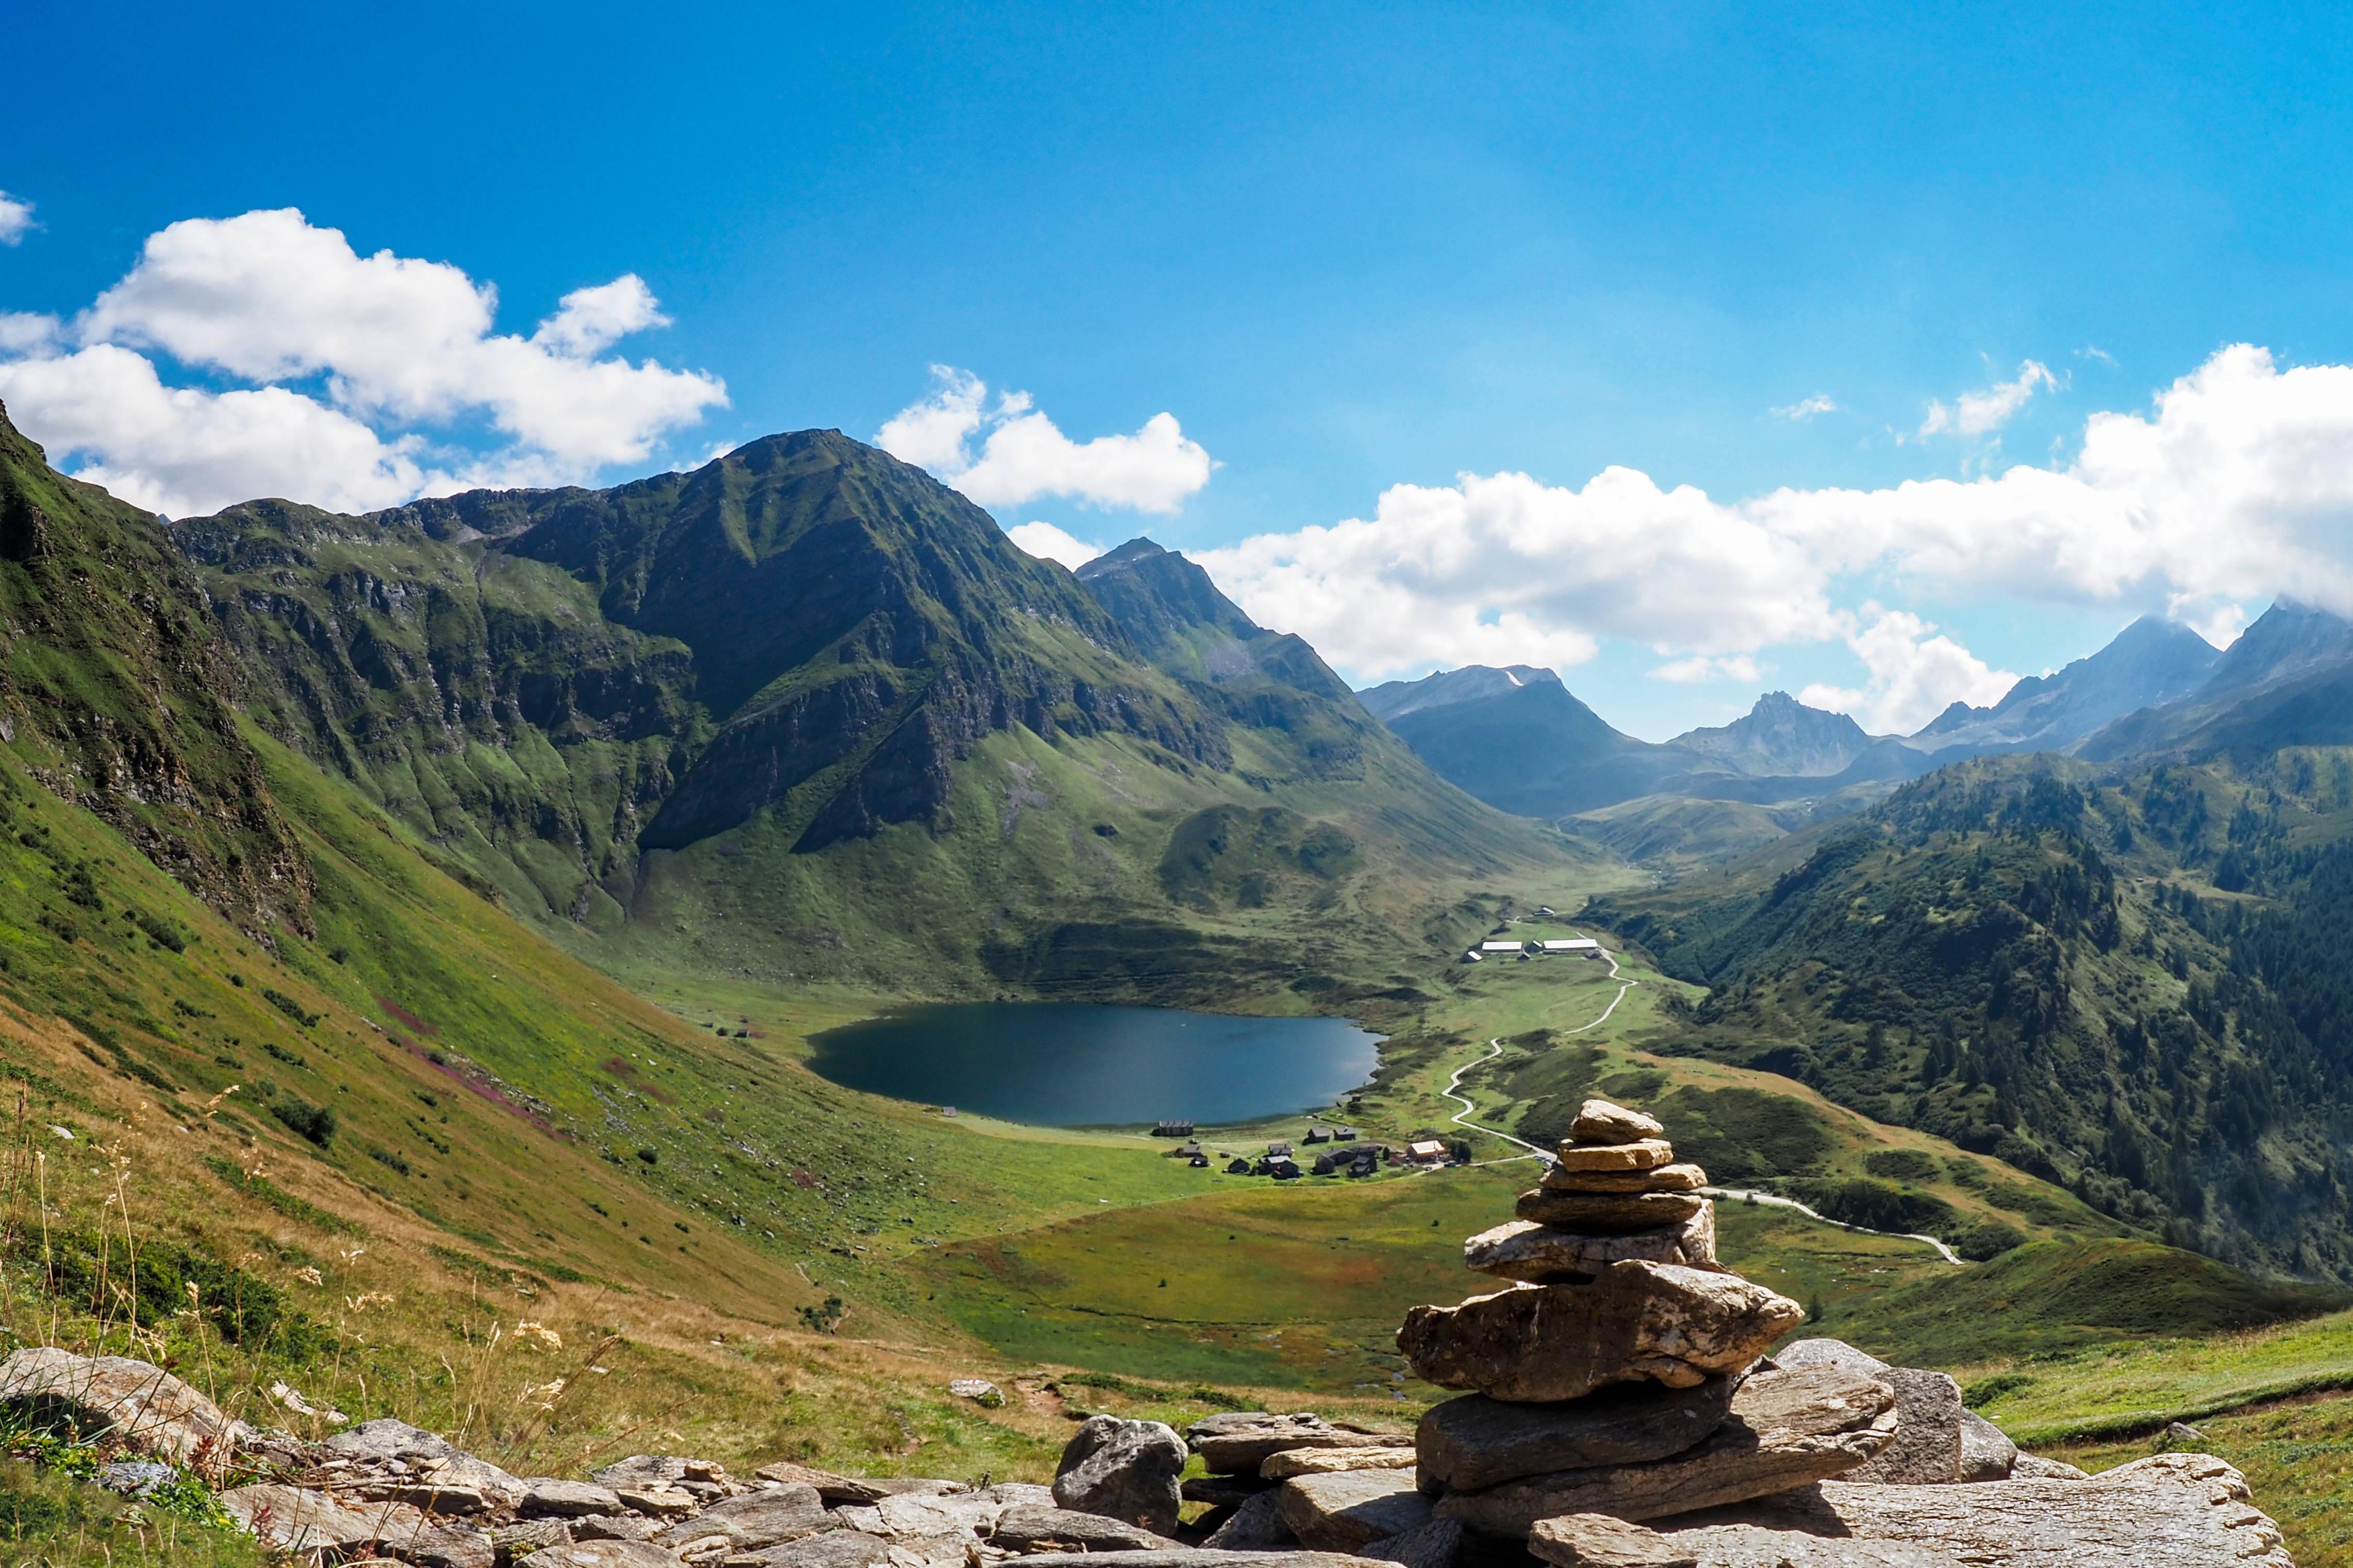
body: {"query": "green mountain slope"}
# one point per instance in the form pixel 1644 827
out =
pixel 805 715
pixel 2127 982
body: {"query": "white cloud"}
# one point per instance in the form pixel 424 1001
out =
pixel 1047 543
pixel 389 343
pixel 16 217
pixel 1819 403
pixel 23 334
pixel 1914 674
pixel 1503 570
pixel 1691 671
pixel 2235 486
pixel 1023 455
pixel 1977 413
pixel 2222 626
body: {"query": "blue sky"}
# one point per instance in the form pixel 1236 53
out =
pixel 1348 249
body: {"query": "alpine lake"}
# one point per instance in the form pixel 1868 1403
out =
pixel 1054 1064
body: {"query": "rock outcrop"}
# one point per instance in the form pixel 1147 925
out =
pixel 144 1408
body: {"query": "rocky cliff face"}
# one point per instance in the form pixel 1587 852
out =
pixel 115 680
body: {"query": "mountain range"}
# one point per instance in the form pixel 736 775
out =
pixel 1520 740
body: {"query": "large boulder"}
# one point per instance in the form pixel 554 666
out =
pixel 143 1407
pixel 2177 1510
pixel 1542 1254
pixel 1438 1544
pixel 1236 1443
pixel 1126 1470
pixel 391 1460
pixel 1475 1442
pixel 1928 1438
pixel 833 1549
pixel 1634 1320
pixel 1597 1540
pixel 748 1522
pixel 297 1522
pixel 1608 1213
pixel 1785 1429
pixel 1351 1508
pixel 544 1497
pixel 832 1487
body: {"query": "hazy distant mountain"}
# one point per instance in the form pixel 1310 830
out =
pixel 1781 735
pixel 2287 681
pixel 2151 662
pixel 1396 699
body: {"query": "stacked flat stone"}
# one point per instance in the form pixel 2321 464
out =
pixel 1619 1372
pixel 1614 1192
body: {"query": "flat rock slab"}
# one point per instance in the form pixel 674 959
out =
pixel 834 1549
pixel 1595 1540
pixel 1641 1154
pixel 2173 1510
pixel 148 1409
pixel 1030 1529
pixel 1239 1442
pixel 1329 1461
pixel 291 1520
pixel 1634 1320
pixel 1602 1122
pixel 1475 1442
pixel 1208 1557
pixel 1543 1254
pixel 833 1488
pixel 546 1498
pixel 750 1521
pixel 1680 1177
pixel 407 1464
pixel 1785 1429
pixel 1343 1512
pixel 1608 1213
pixel 603 1554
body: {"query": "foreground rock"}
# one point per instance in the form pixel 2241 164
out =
pixel 603 1554
pixel 144 1408
pixel 1124 1470
pixel 1675 1325
pixel 1597 1540
pixel 748 1522
pixel 1987 1452
pixel 1029 1530
pixel 1239 1442
pixel 1352 1509
pixel 1541 1254
pixel 1475 1442
pixel 391 1460
pixel 1327 1461
pixel 2174 1511
pixel 1927 1447
pixel 1785 1429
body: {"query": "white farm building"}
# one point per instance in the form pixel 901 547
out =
pixel 1576 946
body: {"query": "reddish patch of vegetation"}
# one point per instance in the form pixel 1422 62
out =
pixel 625 1069
pixel 396 1010
pixel 803 1180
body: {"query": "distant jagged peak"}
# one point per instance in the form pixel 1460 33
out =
pixel 1160 597
pixel 1396 699
pixel 1781 735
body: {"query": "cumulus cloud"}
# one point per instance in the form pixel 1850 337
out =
pixel 1737 666
pixel 1502 569
pixel 1819 403
pixel 1047 543
pixel 1914 673
pixel 1022 455
pixel 382 348
pixel 2235 486
pixel 1977 413
pixel 16 217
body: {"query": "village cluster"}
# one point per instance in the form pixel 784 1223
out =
pixel 1337 1152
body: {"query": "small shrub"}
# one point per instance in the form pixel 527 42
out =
pixel 162 930
pixel 315 1122
pixel 649 1154
pixel 1988 1239
pixel 2000 1385
pixel 290 1058
pixel 386 1157
pixel 291 1007
pixel 824 1318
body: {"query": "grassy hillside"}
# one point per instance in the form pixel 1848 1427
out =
pixel 2125 983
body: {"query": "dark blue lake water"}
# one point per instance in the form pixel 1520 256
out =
pixel 1057 1063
